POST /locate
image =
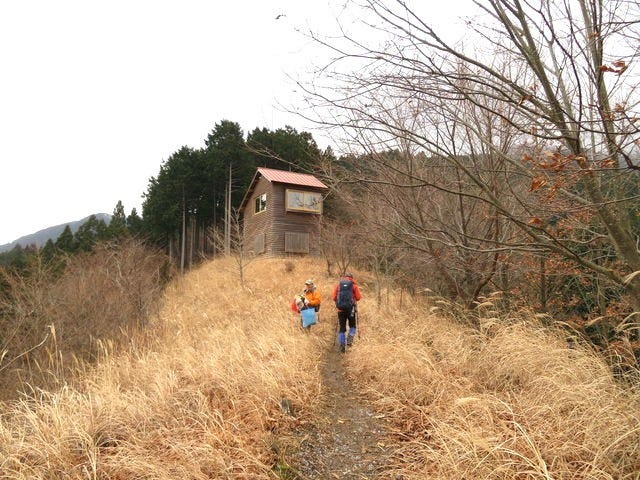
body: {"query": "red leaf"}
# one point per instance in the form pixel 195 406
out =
pixel 536 183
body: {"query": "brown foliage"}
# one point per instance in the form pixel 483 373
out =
pixel 502 397
pixel 510 399
pixel 55 323
pixel 197 395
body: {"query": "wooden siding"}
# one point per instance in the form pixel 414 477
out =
pixel 258 224
pixel 258 243
pixel 292 222
pixel 295 242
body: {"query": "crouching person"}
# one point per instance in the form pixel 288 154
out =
pixel 312 299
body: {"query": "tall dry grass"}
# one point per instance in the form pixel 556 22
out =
pixel 198 394
pixel 508 400
pixel 200 398
pixel 53 324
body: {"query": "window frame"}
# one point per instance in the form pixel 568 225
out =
pixel 260 204
pixel 303 208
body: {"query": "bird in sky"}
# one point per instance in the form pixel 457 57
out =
pixel 280 16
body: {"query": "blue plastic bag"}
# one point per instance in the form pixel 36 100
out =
pixel 308 317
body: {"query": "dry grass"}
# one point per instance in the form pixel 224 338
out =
pixel 52 325
pixel 198 394
pixel 198 399
pixel 508 401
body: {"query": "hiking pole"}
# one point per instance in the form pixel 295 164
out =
pixel 356 317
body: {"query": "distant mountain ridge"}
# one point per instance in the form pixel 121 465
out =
pixel 40 237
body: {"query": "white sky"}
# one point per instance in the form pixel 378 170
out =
pixel 96 94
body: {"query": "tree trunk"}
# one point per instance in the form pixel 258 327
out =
pixel 184 234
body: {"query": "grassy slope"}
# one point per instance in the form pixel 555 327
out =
pixel 508 401
pixel 199 396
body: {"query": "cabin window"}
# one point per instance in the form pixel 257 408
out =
pixel 300 201
pixel 261 203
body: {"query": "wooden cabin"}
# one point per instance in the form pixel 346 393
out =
pixel 281 212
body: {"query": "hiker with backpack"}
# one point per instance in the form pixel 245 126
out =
pixel 346 295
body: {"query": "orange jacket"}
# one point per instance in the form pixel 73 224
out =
pixel 312 296
pixel 356 292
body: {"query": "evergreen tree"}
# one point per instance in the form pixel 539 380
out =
pixel 87 234
pixel 15 258
pixel 134 223
pixel 118 226
pixel 283 149
pixel 102 231
pixel 66 242
pixel 52 259
pixel 226 157
pixel 48 251
pixel 180 184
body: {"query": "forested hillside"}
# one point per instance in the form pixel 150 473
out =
pixel 222 383
pixel 40 238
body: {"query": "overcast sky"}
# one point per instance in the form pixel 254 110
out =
pixel 95 95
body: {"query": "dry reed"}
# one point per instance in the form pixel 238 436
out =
pixel 198 394
pixel 508 400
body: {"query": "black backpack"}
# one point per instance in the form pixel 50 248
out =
pixel 344 299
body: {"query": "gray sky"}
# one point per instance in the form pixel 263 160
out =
pixel 94 95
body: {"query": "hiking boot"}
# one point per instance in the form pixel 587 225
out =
pixel 349 340
pixel 342 349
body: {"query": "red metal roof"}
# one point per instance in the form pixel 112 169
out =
pixel 282 176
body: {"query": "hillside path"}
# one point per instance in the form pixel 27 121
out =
pixel 347 442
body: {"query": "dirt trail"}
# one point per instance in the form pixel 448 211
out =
pixel 347 442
